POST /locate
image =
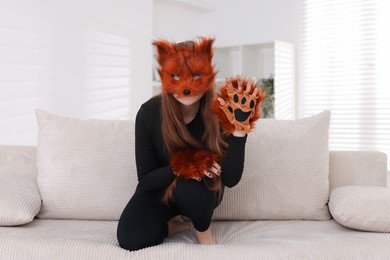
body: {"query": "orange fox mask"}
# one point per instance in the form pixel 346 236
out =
pixel 186 68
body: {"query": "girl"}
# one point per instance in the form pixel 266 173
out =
pixel 184 159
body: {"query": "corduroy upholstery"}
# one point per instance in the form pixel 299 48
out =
pixel 250 240
pixel 247 239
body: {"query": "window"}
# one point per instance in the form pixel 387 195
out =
pixel 346 69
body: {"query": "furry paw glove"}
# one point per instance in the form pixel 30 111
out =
pixel 192 164
pixel 237 104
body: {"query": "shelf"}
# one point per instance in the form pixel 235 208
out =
pixel 260 61
pixel 225 61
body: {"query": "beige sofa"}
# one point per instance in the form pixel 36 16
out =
pixel 285 207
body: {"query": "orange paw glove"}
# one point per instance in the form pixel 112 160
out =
pixel 194 164
pixel 237 104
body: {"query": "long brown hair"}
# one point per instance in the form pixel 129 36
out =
pixel 178 138
pixel 173 122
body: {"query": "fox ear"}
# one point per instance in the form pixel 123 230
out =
pixel 164 48
pixel 205 46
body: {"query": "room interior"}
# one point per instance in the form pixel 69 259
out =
pixel 74 74
pixel 95 59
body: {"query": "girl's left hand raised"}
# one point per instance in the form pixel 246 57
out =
pixel 237 105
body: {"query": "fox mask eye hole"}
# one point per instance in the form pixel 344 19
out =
pixel 175 76
pixel 196 75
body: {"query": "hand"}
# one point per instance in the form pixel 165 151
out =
pixel 215 170
pixel 239 99
pixel 195 164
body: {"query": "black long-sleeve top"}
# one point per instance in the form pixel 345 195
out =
pixel 153 169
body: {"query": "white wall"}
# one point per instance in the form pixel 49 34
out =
pixel 86 59
pixel 232 22
pixel 92 58
pixel 253 21
pixel 175 21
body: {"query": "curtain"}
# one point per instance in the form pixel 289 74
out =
pixel 346 69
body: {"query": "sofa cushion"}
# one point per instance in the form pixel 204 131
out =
pixel 20 201
pixel 285 174
pixel 86 168
pixel 249 240
pixel 18 161
pixel 361 207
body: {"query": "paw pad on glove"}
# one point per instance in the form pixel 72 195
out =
pixel 243 104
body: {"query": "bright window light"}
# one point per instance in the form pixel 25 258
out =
pixel 346 69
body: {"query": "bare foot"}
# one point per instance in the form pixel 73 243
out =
pixel 177 225
pixel 205 237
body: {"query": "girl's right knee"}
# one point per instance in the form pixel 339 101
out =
pixel 133 240
pixel 196 202
pixel 127 238
pixel 130 243
pixel 192 192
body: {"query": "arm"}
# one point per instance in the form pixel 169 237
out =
pixel 233 163
pixel 150 175
pixel 237 107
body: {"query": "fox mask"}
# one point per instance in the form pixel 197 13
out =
pixel 186 68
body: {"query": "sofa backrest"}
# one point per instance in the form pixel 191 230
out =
pixel 366 168
pixel 18 162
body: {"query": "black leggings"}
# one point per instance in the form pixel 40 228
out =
pixel 143 222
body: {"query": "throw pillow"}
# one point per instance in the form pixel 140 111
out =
pixel 361 207
pixel 286 172
pixel 86 168
pixel 19 201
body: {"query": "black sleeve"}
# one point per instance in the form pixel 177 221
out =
pixel 233 164
pixel 151 176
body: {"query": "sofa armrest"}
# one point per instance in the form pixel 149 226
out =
pixel 364 168
pixel 18 161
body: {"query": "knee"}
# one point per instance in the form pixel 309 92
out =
pixel 195 201
pixel 127 238
pixel 132 238
pixel 130 243
pixel 133 235
pixel 133 241
pixel 194 193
